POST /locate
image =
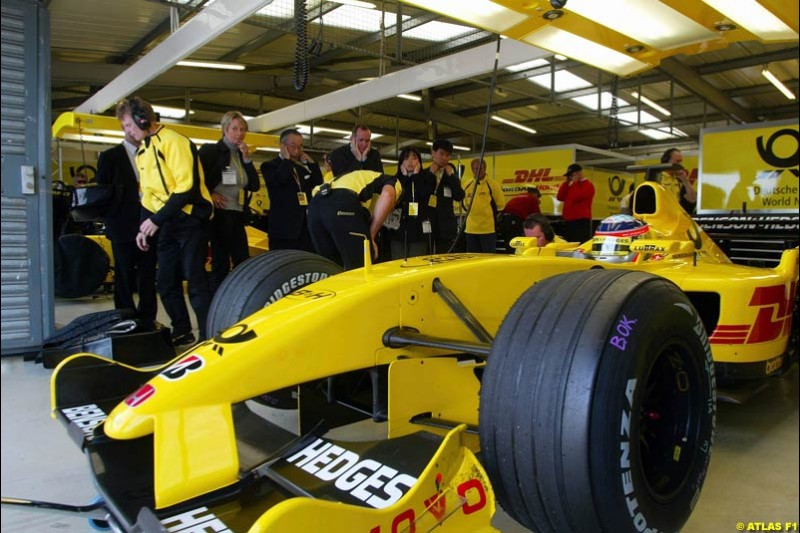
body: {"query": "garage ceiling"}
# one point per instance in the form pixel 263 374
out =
pixel 712 81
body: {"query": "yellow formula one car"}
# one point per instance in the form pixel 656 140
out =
pixel 574 387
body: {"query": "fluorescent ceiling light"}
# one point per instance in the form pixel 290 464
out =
pixel 90 138
pixel 648 21
pixel 580 49
pixel 645 100
pixel 388 161
pixel 437 31
pixel 306 130
pixel 528 65
pixel 513 124
pixel 778 84
pixel 170 112
pixel 482 13
pixel 661 134
pixel 755 18
pixel 211 64
pixel 356 3
pixel 412 97
pixel 634 117
pixel 562 81
pixel 455 146
pixel 267 149
pixel 560 57
pixel 590 101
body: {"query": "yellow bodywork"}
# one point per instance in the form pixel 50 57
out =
pixel 336 325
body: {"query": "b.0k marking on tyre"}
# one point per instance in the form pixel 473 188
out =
pixel 623 329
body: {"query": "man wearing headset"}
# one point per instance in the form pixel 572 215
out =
pixel 176 206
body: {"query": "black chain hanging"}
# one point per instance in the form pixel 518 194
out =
pixel 300 69
pixel 613 112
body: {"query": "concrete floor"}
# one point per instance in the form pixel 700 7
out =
pixel 753 477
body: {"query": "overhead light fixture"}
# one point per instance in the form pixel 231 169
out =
pixel 306 130
pixel 267 149
pixel 455 146
pixel 513 124
pixel 645 100
pixel 91 138
pixel 647 21
pixel 661 134
pixel 528 65
pixel 388 162
pixel 778 84
pixel 481 13
pixel 581 49
pixel 412 97
pixel 211 64
pixel 356 3
pixel 755 18
pixel 170 112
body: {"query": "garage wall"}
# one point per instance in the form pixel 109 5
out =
pixel 27 263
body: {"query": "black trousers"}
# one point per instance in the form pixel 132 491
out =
pixel 182 247
pixel 303 242
pixel 331 220
pixel 228 245
pixel 135 271
pixel 579 230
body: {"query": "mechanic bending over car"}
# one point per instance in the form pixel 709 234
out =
pixel 336 213
pixel 176 205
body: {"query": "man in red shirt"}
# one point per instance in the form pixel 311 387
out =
pixel 577 194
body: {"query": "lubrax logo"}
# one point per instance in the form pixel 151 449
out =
pixel 374 483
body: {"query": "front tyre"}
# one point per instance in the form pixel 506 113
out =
pixel 597 404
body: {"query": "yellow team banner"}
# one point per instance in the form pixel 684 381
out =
pixel 750 168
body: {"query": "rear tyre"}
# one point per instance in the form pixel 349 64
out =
pixel 597 404
pixel 259 282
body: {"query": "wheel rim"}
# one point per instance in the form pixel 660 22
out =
pixel 669 421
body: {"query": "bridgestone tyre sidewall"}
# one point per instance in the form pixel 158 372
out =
pixel 258 282
pixel 262 280
pixel 554 401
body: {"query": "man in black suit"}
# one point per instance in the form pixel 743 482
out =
pixel 290 178
pixel 134 270
pixel 358 155
pixel 447 189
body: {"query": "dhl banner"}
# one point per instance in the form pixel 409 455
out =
pixel 751 168
pixel 544 169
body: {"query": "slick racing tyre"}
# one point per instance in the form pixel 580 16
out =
pixel 597 405
pixel 260 281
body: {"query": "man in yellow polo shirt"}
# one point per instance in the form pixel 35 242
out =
pixel 176 207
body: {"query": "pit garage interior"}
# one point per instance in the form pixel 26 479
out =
pixel 414 72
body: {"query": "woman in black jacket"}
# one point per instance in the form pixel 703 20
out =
pixel 229 176
pixel 411 220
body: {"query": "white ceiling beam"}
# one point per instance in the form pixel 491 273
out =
pixel 201 29
pixel 459 66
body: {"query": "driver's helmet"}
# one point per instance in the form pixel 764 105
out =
pixel 613 237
